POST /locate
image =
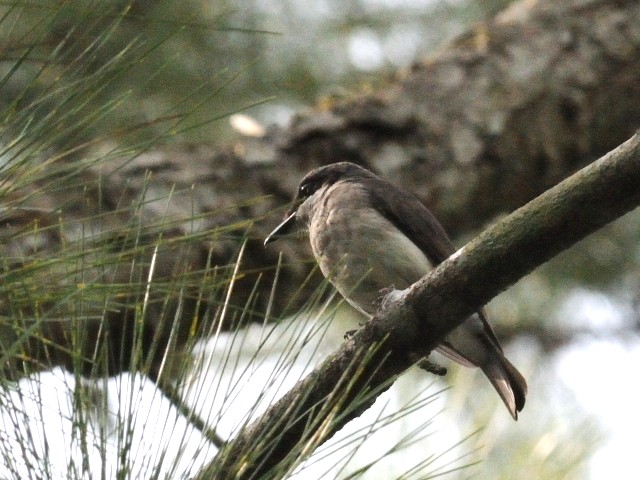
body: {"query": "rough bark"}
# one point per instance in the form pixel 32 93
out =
pixel 482 126
pixel 495 118
pixel 351 379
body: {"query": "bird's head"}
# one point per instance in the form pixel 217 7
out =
pixel 311 189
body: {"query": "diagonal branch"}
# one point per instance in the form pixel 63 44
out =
pixel 348 382
pixel 490 120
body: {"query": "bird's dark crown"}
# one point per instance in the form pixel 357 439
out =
pixel 328 175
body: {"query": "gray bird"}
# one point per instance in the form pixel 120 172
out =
pixel 369 236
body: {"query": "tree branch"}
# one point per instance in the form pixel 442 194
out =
pixel 349 381
pixel 491 120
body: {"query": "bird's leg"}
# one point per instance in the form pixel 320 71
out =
pixel 432 367
pixel 427 365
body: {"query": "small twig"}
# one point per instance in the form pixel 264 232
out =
pixel 172 394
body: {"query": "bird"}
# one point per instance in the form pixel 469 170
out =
pixel 370 236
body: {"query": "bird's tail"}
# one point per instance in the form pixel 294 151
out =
pixel 507 380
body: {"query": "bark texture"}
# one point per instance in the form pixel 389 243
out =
pixel 481 127
pixel 350 380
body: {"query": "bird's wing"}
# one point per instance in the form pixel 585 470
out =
pixel 413 219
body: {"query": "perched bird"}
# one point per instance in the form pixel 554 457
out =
pixel 368 236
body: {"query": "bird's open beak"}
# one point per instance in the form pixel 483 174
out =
pixel 284 228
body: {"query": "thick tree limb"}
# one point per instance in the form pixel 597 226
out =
pixel 348 382
pixel 490 120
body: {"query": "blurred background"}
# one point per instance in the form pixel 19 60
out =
pixel 91 81
pixel 216 58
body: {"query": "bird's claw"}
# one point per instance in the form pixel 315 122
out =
pixel 427 365
pixel 349 334
pixel 389 296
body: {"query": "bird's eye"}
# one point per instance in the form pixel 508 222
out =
pixel 306 189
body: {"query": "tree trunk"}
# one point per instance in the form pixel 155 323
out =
pixel 478 129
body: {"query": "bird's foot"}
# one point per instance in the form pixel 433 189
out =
pixel 349 334
pixel 427 365
pixel 390 296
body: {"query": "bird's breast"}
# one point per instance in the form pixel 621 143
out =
pixel 361 253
